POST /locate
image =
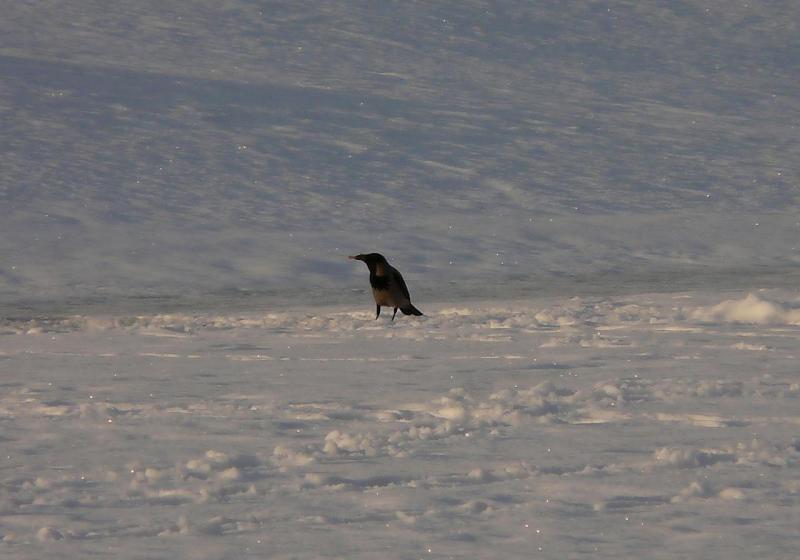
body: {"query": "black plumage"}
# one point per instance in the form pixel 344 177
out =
pixel 388 287
pixel 378 282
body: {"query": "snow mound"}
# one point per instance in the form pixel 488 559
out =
pixel 752 309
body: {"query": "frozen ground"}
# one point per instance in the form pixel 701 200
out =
pixel 662 426
pixel 189 365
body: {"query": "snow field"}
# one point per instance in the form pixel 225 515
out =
pixel 225 156
pixel 573 426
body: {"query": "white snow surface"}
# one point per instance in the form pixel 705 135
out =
pixel 659 426
pixel 595 204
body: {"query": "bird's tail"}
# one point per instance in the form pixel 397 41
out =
pixel 410 310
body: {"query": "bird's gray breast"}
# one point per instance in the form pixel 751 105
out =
pixel 383 297
pixel 380 289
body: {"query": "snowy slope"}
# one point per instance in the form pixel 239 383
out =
pixel 159 149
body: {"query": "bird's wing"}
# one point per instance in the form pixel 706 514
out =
pixel 397 277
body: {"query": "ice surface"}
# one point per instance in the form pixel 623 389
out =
pixel 595 205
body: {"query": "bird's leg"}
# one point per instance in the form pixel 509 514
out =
pixel 377 311
pixel 395 313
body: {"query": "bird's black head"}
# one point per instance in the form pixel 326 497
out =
pixel 371 259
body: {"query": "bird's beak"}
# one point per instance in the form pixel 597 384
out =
pixel 355 258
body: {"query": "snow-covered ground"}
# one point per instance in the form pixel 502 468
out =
pixel 594 203
pixel 659 426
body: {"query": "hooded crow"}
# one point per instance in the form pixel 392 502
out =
pixel 388 287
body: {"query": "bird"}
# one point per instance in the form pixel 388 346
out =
pixel 388 287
